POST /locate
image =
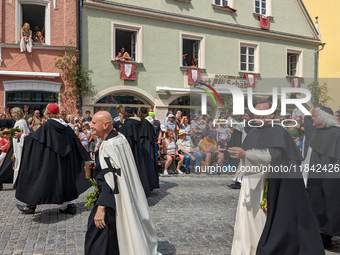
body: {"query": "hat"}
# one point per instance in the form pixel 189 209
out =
pixel 128 109
pixel 325 109
pixel 75 119
pixel 150 119
pixel 210 133
pixel 182 132
pixel 163 127
pixel 224 137
pixel 116 119
pixel 222 113
pixel 53 108
pixel 6 131
pixel 170 115
pixel 288 115
pixel 155 118
pixel 152 114
pixel 143 110
pixel 86 122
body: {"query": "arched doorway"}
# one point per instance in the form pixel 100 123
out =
pixel 189 105
pixel 110 102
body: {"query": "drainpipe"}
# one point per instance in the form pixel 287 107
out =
pixel 79 41
pixel 316 66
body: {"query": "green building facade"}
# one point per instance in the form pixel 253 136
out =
pixel 228 43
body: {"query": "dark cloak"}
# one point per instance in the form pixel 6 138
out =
pixel 51 170
pixel 6 170
pixel 290 226
pixel 131 131
pixel 102 241
pixel 147 137
pixel 323 186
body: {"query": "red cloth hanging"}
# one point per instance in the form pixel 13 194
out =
pixel 232 9
pixel 194 76
pixel 251 80
pixel 264 22
pixel 128 71
pixel 295 82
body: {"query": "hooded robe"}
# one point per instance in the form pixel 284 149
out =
pixel 131 131
pixel 51 171
pixel 147 137
pixel 323 147
pixel 127 215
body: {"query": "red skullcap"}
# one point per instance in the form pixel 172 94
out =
pixel 53 109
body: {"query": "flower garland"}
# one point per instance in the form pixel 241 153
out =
pixel 92 197
pixel 263 203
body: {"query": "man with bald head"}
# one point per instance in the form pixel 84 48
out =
pixel 120 221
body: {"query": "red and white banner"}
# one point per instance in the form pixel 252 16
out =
pixel 251 80
pixel 194 75
pixel 295 82
pixel 128 71
pixel 264 22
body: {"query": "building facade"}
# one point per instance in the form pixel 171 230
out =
pixel 230 40
pixel 329 58
pixel 31 78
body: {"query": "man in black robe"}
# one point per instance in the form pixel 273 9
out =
pixel 321 170
pixel 147 137
pixel 290 226
pixel 131 130
pixel 120 221
pixel 51 166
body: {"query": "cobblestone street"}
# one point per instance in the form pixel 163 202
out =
pixel 193 215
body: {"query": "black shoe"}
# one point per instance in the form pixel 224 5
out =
pixel 70 209
pixel 28 209
pixel 187 172
pixel 237 185
pixel 1 186
pixel 326 240
pixel 231 184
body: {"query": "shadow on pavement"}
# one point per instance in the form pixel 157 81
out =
pixel 158 194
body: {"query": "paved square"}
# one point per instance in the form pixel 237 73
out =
pixel 193 215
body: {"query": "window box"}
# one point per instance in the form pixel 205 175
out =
pixel 127 62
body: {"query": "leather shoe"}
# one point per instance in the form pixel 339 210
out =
pixel 28 209
pixel 70 209
pixel 231 184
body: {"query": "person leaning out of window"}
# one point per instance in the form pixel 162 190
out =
pixel 26 41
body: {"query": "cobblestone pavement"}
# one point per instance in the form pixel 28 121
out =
pixel 193 215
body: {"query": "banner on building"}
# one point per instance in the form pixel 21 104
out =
pixel 295 82
pixel 251 80
pixel 128 71
pixel 194 76
pixel 264 22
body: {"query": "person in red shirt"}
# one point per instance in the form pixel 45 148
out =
pixel 5 143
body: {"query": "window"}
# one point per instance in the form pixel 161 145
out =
pixel 294 63
pixel 247 59
pixel 128 37
pixel 37 14
pixel 261 7
pixel 193 47
pixel 222 2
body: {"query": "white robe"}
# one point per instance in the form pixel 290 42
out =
pixel 18 145
pixel 250 218
pixel 135 229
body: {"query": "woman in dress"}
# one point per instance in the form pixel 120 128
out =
pixel 18 116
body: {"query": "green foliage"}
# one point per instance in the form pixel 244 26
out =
pixel 77 76
pixel 227 100
pixel 12 132
pixel 92 197
pixel 319 94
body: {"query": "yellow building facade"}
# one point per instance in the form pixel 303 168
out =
pixel 329 58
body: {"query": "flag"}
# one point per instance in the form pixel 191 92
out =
pixel 264 22
pixel 251 80
pixel 194 76
pixel 295 82
pixel 232 9
pixel 128 71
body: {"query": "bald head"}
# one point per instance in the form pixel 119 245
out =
pixel 101 124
